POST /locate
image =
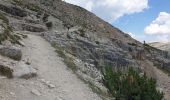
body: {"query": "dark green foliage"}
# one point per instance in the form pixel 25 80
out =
pixel 131 86
pixel 49 25
pixel 97 42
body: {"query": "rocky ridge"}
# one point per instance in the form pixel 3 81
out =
pixel 90 43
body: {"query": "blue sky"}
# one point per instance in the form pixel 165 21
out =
pixel 147 20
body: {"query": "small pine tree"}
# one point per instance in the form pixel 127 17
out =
pixel 131 86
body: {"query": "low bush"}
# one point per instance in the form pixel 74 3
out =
pixel 130 85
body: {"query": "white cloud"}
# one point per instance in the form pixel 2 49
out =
pixel 161 25
pixel 132 35
pixel 162 38
pixel 110 10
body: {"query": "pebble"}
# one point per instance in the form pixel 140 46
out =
pixel 51 86
pixel 58 98
pixel 48 83
pixel 12 93
pixel 35 92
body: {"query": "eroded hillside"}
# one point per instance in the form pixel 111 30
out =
pixel 86 43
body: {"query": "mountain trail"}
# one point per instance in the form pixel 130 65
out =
pixel 54 81
pixel 163 80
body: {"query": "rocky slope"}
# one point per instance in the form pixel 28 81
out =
pixel 86 43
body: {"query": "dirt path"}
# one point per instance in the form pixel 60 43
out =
pixel 54 80
pixel 163 80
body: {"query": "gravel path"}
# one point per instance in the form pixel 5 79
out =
pixel 54 81
pixel 163 80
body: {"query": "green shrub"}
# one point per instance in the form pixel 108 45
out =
pixel 131 86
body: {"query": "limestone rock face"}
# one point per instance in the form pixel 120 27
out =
pixel 13 10
pixel 11 52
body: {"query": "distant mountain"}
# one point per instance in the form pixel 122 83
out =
pixel 162 46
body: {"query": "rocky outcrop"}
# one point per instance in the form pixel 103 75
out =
pixel 11 52
pixel 5 70
pixel 13 10
pixel 24 71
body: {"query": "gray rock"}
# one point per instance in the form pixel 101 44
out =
pixel 13 10
pixel 35 92
pixel 24 71
pixel 11 52
pixel 48 83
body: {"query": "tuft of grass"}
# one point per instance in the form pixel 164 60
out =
pixel 4 18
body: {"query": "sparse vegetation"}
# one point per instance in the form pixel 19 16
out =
pixel 82 32
pixel 131 86
pixel 132 44
pixel 97 42
pixel 67 60
pixel 49 25
pixel 27 5
pixel 4 18
pixel 45 17
pixel 7 33
pixel 23 35
pixel 149 48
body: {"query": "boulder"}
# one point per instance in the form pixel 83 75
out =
pixel 24 71
pixel 13 10
pixel 11 52
pixel 33 28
